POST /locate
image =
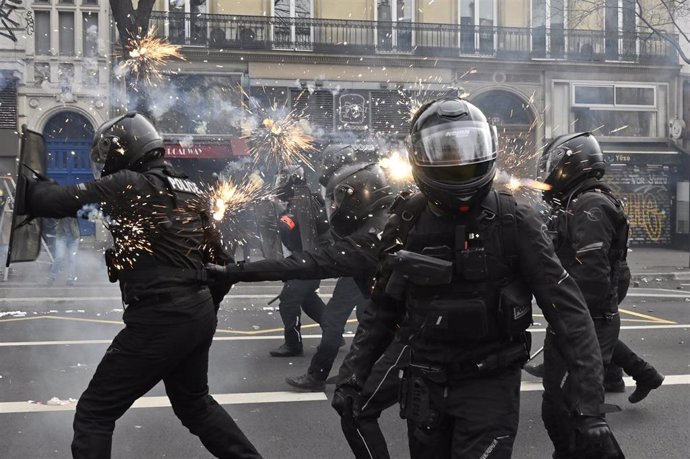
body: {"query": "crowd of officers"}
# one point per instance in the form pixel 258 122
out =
pixel 442 280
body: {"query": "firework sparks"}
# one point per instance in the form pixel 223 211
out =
pixel 283 140
pixel 397 168
pixel 147 55
pixel 514 183
pixel 228 198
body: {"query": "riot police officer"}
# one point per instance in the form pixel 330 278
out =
pixel 461 280
pixel 162 237
pixel 305 213
pixel 591 236
pixel 358 196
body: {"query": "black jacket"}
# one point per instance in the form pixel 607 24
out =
pixel 591 243
pixel 162 236
pixel 555 291
pixel 354 256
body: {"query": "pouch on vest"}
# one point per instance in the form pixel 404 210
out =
pixel 456 320
pixel 415 399
pixel 472 264
pixel 515 308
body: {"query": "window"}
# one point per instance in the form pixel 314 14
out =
pixel 66 33
pixel 42 37
pixel 548 28
pixel 477 20
pixel 620 22
pixel 618 110
pixel 90 34
pixel 90 2
pixel 292 28
pixel 394 27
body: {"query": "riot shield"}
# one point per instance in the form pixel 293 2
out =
pixel 267 225
pixel 302 208
pixel 25 234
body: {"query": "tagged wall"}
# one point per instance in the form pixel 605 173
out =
pixel 648 191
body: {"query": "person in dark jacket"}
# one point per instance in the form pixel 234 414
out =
pixel 305 212
pixel 162 238
pixel 461 281
pixel 358 197
pixel 591 240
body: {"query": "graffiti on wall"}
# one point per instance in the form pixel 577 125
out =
pixel 647 200
pixel 7 10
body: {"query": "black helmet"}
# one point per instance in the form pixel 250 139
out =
pixel 567 161
pixel 452 153
pixel 287 179
pixel 125 142
pixel 353 193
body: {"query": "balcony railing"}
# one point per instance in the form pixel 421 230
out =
pixel 335 36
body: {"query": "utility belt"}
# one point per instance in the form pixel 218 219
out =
pixel 418 381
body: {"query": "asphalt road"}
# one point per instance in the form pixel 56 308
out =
pixel 52 338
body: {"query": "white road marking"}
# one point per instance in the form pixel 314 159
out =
pixel 670 380
pixel 24 299
pixel 280 337
pixel 160 402
pixel 268 397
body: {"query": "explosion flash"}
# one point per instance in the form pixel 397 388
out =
pixel 227 198
pixel 397 168
pixel 284 140
pixel 515 183
pixel 147 55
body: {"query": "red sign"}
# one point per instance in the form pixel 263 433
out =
pixel 204 151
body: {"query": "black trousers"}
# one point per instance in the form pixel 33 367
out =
pixel 624 359
pixel 296 296
pixel 557 404
pixel 479 419
pixel 346 296
pixel 139 357
pixel 380 392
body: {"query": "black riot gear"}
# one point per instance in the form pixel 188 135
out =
pixel 453 153
pixel 353 193
pixel 126 142
pixel 567 161
pixel 287 179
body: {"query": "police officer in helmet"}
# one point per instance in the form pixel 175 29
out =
pixel 461 280
pixel 298 295
pixel 162 238
pixel 591 235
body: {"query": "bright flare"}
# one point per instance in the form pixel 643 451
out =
pixel 227 198
pixel 283 140
pixel 147 55
pixel 397 168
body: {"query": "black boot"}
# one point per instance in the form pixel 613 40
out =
pixel 534 370
pixel 306 382
pixel 286 351
pixel 645 386
pixel 613 379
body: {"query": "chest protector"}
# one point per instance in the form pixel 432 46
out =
pixel 486 300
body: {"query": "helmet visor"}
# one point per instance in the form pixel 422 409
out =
pixel 549 161
pixel 340 194
pixel 454 144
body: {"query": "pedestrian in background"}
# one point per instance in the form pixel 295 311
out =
pixel 67 237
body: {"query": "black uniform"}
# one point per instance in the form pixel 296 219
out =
pixel 462 387
pixel 161 244
pixel 300 295
pixel 591 241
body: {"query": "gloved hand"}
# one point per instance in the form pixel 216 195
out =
pixel 346 400
pixel 222 273
pixel 595 439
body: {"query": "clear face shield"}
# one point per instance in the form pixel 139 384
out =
pixel 549 161
pixel 335 200
pixel 459 143
pixel 99 150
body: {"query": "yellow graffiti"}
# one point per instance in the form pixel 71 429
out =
pixel 644 213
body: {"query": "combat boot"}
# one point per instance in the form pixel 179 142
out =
pixel 645 386
pixel 287 351
pixel 306 382
pixel 534 370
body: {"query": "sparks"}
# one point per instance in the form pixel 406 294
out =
pixel 228 198
pixel 514 183
pixel 147 55
pixel 397 168
pixel 282 140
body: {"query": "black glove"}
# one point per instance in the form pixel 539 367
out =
pixel 222 273
pixel 595 439
pixel 346 399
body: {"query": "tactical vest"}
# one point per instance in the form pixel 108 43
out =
pixel 180 236
pixel 486 301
